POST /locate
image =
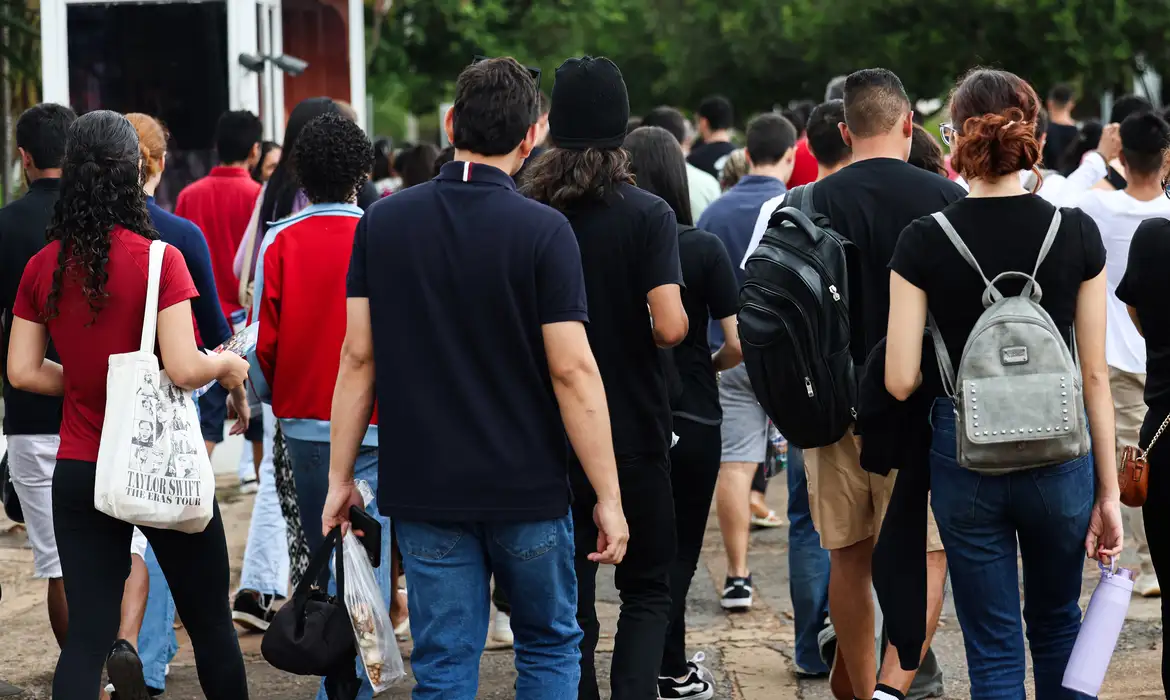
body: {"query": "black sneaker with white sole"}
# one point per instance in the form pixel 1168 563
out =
pixel 253 610
pixel 125 671
pixel 690 688
pixel 737 593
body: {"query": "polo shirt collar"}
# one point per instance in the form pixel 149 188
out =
pixel 45 183
pixel 228 171
pixel 463 171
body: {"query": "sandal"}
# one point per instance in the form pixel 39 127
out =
pixel 768 521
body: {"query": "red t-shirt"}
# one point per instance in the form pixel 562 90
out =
pixel 84 343
pixel 221 206
pixel 805 170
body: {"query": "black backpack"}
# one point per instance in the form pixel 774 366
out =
pixel 794 324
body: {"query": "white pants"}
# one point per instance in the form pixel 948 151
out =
pixel 266 562
pixel 32 459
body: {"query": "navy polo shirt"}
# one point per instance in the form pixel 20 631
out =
pixel 461 273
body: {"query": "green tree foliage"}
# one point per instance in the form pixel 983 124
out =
pixel 761 53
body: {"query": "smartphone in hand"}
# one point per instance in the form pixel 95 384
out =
pixel 371 537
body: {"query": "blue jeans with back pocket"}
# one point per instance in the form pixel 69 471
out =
pixel 981 518
pixel 449 567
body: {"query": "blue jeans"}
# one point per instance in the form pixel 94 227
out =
pixel 157 644
pixel 808 567
pixel 449 566
pixel 980 519
pixel 310 464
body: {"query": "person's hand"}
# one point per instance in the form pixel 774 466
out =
pixel 233 370
pixel 612 532
pixel 237 404
pixel 1105 537
pixel 341 496
pixel 1110 145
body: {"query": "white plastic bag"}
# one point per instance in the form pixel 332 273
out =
pixel 372 631
pixel 152 466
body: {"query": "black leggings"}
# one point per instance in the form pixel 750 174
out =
pixel 1156 513
pixel 694 468
pixel 95 561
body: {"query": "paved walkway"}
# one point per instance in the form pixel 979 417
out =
pixel 749 653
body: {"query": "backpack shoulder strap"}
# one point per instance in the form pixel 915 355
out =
pixel 1049 239
pixel 960 246
pixel 945 369
pixel 804 200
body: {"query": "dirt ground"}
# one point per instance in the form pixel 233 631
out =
pixel 750 654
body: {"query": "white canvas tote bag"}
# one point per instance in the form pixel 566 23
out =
pixel 152 468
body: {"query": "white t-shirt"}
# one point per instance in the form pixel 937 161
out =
pixel 1118 215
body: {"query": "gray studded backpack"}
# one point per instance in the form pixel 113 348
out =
pixel 1018 397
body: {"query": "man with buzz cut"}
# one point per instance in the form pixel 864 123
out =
pixel 869 202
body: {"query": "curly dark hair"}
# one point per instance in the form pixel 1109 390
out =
pixel 562 178
pixel 333 159
pixel 101 187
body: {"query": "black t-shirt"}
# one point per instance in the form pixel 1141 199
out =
pixel 22 235
pixel 870 202
pixel 461 273
pixel 711 293
pixel 1059 138
pixel 629 245
pixel 1146 287
pixel 711 156
pixel 1004 234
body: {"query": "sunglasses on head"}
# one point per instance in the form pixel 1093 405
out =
pixel 534 72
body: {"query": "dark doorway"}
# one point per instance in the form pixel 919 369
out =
pixel 166 60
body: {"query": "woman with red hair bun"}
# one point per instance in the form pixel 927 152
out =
pixel 1057 513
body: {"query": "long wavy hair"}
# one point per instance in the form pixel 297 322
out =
pixel 564 179
pixel 660 168
pixel 101 187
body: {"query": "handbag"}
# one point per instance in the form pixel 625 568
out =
pixel 152 466
pixel 312 635
pixel 1134 478
pixel 248 268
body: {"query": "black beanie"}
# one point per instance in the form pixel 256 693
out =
pixel 590 106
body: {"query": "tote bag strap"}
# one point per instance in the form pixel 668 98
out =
pixel 150 316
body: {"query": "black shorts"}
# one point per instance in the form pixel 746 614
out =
pixel 213 413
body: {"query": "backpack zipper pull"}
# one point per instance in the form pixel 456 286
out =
pixel 808 387
pixel 836 297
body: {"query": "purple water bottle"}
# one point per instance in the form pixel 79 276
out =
pixel 1099 631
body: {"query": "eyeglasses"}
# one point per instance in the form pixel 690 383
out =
pixel 532 71
pixel 948 132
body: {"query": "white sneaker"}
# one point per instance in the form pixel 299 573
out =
pixel 248 486
pixel 500 632
pixel 1147 586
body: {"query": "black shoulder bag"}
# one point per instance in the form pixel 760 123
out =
pixel 311 635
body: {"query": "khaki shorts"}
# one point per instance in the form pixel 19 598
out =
pixel 847 502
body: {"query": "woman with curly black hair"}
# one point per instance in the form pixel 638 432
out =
pixel 301 307
pixel 86 292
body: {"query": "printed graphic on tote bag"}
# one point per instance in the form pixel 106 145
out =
pixel 163 468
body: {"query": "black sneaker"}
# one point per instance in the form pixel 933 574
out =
pixel 125 671
pixel 253 610
pixel 693 687
pixel 737 593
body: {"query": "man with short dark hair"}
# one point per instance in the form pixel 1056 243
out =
pixel 1145 138
pixel 487 285
pixel 771 148
pixel 825 140
pixel 221 205
pixel 32 422
pixel 715 119
pixel 1062 128
pixel 869 202
pixel 703 188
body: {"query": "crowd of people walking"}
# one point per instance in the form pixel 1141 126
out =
pixel 560 288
